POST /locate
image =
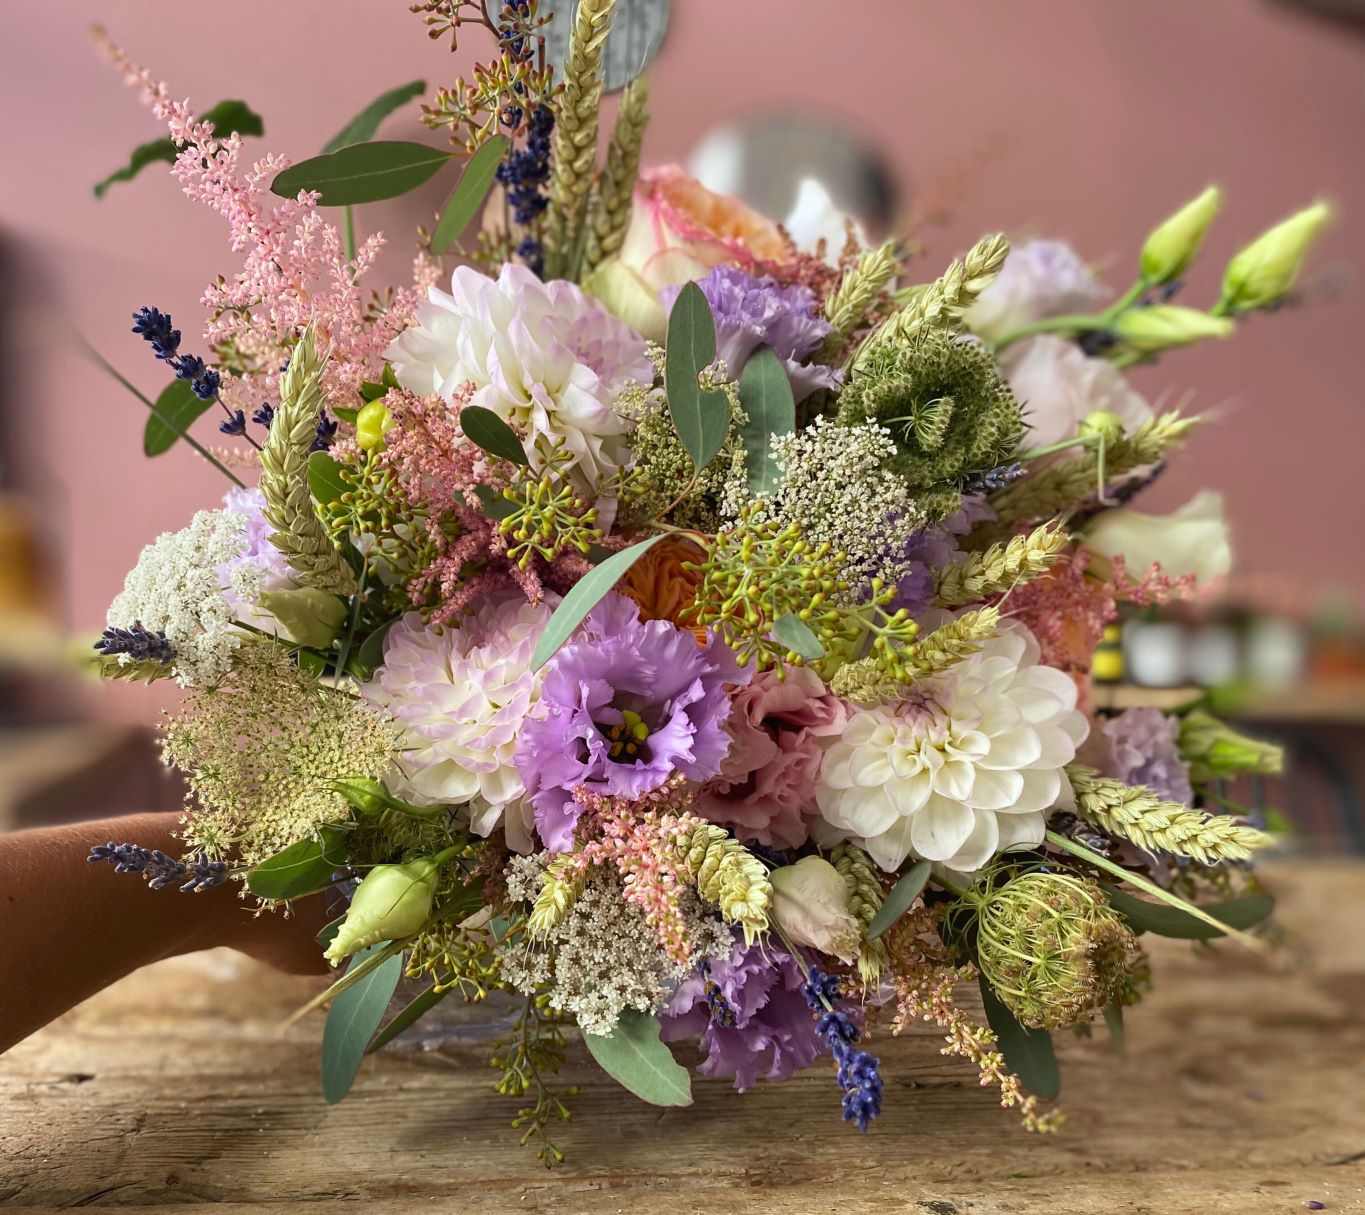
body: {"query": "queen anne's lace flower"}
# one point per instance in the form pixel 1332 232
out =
pixel 460 697
pixel 962 769
pixel 185 586
pixel 544 357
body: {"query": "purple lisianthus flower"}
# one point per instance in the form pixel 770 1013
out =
pixel 751 312
pixel 1145 748
pixel 749 1012
pixel 933 547
pixel 625 705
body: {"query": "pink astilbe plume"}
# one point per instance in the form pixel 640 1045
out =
pixel 295 270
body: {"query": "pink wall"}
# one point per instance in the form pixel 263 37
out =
pixel 1106 114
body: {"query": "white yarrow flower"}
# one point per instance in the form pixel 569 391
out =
pixel 965 768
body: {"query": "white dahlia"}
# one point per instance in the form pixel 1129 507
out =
pixel 544 357
pixel 964 769
pixel 459 698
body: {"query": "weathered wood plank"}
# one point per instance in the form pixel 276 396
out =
pixel 1242 1089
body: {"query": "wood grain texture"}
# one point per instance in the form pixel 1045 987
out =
pixel 1243 1091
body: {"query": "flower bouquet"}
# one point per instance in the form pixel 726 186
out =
pixel 676 625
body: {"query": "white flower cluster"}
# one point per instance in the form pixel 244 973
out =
pixel 604 956
pixel 836 486
pixel 176 588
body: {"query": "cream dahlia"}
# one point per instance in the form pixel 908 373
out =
pixel 544 357
pixel 460 697
pixel 962 770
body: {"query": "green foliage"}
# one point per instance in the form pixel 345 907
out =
pixel 534 1054
pixel 362 172
pixel 902 895
pixel 302 868
pixel 483 427
pixel 702 419
pixel 547 518
pixel 634 1056
pixel 1244 912
pixel 765 394
pixel 228 118
pixel 351 1021
pixel 469 193
pixel 175 411
pixel 406 1017
pixel 325 480
pixel 364 125
pixel 1028 1052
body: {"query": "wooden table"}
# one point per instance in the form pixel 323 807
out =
pixel 1244 1091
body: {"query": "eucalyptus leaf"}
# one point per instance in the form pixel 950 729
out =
pixel 364 125
pixel 796 635
pixel 370 655
pixel 228 118
pixel 484 427
pixel 1028 1052
pixel 351 1021
pixel 635 1057
pixel 1113 1018
pixel 175 411
pixel 362 172
pixel 1164 921
pixel 469 192
pixel 308 615
pixel 407 1016
pixel 325 482
pixel 765 392
pixel 702 419
pixel 897 903
pixel 302 868
pixel 585 595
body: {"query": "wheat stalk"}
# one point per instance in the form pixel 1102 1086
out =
pixel 1000 567
pixel 615 190
pixel 856 293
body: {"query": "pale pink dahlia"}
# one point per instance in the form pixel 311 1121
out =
pixel 967 767
pixel 544 357
pixel 460 697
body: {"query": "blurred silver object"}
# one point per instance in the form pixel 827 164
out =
pixel 1154 653
pixel 765 160
pixel 637 29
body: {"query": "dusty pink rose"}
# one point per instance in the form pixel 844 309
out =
pixel 765 790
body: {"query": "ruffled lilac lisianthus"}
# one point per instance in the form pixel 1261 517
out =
pixel 750 312
pixel 750 1012
pixel 627 704
pixel 1145 748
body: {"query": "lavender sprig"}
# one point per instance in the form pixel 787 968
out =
pixel 138 643
pixel 858 1073
pixel 160 870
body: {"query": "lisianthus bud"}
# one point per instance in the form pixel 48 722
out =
pixel 1172 247
pixel 810 905
pixel 1265 270
pixel 1165 325
pixel 1050 945
pixel 309 616
pixel 371 424
pixel 1214 750
pixel 1101 422
pixel 393 901
pixel 1192 540
pixel 627 296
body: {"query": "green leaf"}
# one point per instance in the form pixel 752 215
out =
pixel 796 635
pixel 370 656
pixel 362 172
pixel 765 392
pixel 364 125
pixel 351 1021
pixel 228 117
pixel 495 506
pixel 176 410
pixel 325 481
pixel 301 868
pixel 484 427
pixel 370 391
pixel 634 1056
pixel 585 595
pixel 897 903
pixel 469 192
pixel 1028 1052
pixel 1164 921
pixel 350 416
pixel 1113 1018
pixel 702 419
pixel 407 1016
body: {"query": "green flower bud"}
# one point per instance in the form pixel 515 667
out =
pixel 1265 270
pixel 392 902
pixel 1050 945
pixel 1172 247
pixel 372 423
pixel 1214 750
pixel 1165 325
pixel 1102 422
pixel 308 616
pixel 370 797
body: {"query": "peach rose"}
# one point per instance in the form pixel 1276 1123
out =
pixel 678 231
pixel 661 587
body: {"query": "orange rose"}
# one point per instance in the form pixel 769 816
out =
pixel 660 585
